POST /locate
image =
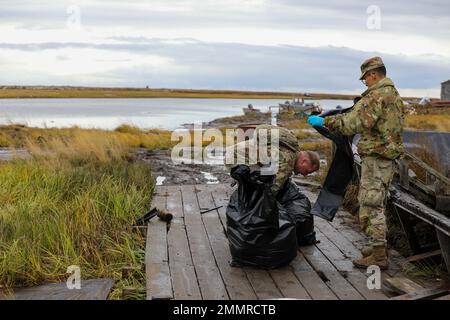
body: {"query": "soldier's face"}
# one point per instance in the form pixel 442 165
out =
pixel 370 79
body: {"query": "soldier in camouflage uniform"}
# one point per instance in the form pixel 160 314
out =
pixel 378 117
pixel 290 158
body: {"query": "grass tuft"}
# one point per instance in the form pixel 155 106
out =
pixel 73 202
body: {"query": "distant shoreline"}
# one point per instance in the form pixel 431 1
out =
pixel 68 92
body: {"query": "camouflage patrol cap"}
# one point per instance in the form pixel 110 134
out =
pixel 370 64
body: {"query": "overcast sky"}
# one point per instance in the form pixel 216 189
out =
pixel 292 45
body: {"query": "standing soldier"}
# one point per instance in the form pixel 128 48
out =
pixel 379 118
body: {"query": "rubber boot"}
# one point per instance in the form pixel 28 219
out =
pixel 378 257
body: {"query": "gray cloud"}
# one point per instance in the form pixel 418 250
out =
pixel 239 66
pixel 233 65
pixel 429 18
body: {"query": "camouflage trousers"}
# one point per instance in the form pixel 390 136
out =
pixel 376 176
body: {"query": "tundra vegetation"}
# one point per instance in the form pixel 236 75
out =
pixel 74 200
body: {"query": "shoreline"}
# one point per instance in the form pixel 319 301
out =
pixel 68 92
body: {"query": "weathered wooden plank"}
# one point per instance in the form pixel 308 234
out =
pixel 221 197
pixel 350 240
pixel 413 206
pixel 158 284
pixel 156 244
pixel 422 256
pixel 93 289
pixel 403 285
pixel 425 294
pixel 334 280
pixel 262 284
pixel 428 168
pixel 209 279
pixel 345 222
pixel 447 297
pixel 158 280
pixel 349 250
pixel 174 202
pixel 235 279
pixel 288 283
pixel 310 280
pixel 345 266
pixel 184 279
pixel 159 199
pixel 358 241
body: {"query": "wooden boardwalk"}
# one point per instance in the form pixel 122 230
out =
pixel 190 259
pixel 92 289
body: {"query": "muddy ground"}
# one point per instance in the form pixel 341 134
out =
pixel 170 173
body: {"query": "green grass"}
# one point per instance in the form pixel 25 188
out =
pixel 73 203
pixel 57 215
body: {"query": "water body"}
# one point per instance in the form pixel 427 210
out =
pixel 143 113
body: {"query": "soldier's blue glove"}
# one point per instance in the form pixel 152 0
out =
pixel 315 121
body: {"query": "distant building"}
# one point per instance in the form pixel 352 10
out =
pixel 445 90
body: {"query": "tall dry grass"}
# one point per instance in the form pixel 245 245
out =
pixel 125 135
pixel 73 202
pixel 433 122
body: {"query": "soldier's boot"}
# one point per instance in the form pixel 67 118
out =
pixel 378 257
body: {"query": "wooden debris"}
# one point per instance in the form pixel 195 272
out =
pixel 423 294
pixel 422 256
pixel 402 285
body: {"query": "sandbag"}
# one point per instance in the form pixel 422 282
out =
pixel 261 227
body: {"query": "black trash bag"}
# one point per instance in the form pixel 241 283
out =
pixel 339 175
pixel 298 207
pixel 260 232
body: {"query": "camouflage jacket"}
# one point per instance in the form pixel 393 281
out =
pixel 288 149
pixel 378 117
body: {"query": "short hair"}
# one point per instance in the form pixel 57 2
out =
pixel 381 70
pixel 314 158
